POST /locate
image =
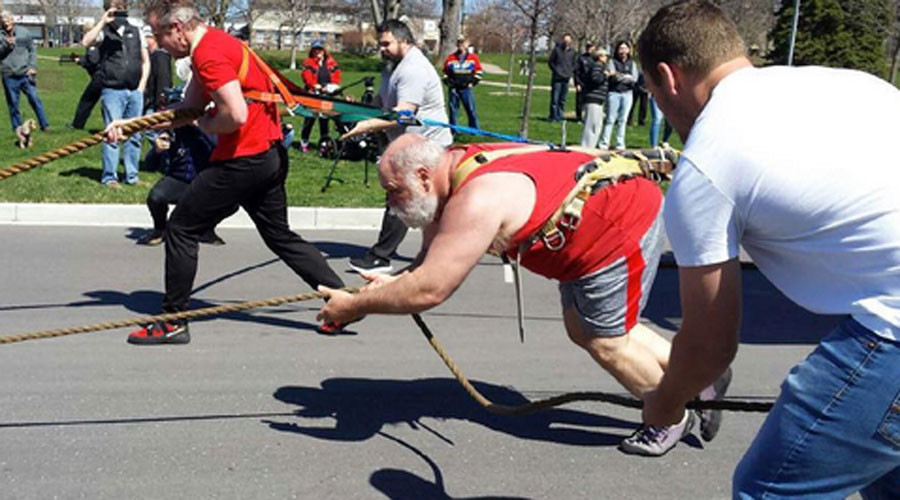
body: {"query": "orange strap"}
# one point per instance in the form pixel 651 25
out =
pixel 285 96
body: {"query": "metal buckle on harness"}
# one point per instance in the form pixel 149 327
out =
pixel 570 222
pixel 554 241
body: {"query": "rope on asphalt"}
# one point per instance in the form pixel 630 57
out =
pixel 183 315
pixel 570 397
pixel 129 128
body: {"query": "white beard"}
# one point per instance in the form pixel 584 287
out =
pixel 419 212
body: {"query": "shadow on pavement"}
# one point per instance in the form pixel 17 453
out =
pixel 361 408
pixel 768 316
pixel 400 484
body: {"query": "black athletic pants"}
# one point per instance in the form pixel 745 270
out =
pixel 308 123
pixel 88 100
pixel 256 183
pixel 393 230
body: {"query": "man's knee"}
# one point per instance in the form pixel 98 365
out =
pixel 605 349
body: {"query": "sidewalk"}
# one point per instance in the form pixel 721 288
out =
pixel 64 214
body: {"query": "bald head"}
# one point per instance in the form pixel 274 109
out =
pixel 408 152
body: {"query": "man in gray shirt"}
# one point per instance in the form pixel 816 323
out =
pixel 408 83
pixel 19 67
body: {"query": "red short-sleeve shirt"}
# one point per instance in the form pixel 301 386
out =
pixel 217 59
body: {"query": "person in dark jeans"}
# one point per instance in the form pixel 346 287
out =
pixel 562 66
pixel 19 67
pixel 180 154
pixel 248 165
pixel 462 72
pixel 90 61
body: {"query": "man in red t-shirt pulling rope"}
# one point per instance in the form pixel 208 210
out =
pixel 497 197
pixel 247 167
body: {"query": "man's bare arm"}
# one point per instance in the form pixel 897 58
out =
pixel 705 344
pixel 231 110
pixel 470 222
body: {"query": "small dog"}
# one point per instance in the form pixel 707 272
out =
pixel 23 134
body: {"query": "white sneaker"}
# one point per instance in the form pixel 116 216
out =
pixel 652 441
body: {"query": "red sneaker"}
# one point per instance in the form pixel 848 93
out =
pixel 174 332
pixel 330 328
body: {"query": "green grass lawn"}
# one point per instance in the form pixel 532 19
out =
pixel 75 179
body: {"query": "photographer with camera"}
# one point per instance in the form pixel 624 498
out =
pixel 19 68
pixel 124 74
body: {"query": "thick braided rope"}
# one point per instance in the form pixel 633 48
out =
pixel 131 127
pixel 569 397
pixel 192 314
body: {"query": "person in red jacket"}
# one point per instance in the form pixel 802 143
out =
pixel 322 75
pixel 462 71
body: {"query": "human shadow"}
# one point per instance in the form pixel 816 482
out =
pixel 768 316
pixel 361 408
pixel 400 484
pixel 92 173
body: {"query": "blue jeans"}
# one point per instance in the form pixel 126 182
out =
pixel 116 104
pixel 559 89
pixel 467 98
pixel 656 120
pixel 12 85
pixel 618 104
pixel 835 428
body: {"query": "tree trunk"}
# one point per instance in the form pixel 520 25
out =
pixel 449 28
pixel 294 55
pixel 894 62
pixel 383 10
pixel 532 57
pixel 509 74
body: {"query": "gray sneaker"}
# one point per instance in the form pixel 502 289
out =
pixel 652 441
pixel 711 420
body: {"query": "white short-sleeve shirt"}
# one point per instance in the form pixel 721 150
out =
pixel 797 166
pixel 415 80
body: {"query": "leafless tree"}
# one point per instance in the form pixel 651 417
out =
pixel 498 27
pixel 449 27
pixel 536 13
pixel 385 9
pixel 214 10
pixel 754 18
pixel 602 21
pixel 70 10
pixel 296 13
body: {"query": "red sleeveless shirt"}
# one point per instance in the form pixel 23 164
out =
pixel 613 220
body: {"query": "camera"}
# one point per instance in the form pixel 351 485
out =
pixel 121 13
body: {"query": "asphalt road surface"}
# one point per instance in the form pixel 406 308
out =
pixel 259 406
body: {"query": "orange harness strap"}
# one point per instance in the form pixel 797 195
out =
pixel 283 96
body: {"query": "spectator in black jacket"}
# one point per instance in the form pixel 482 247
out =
pixel 159 80
pixel 595 90
pixel 180 154
pixel 91 94
pixel 160 74
pixel 582 72
pixel 562 66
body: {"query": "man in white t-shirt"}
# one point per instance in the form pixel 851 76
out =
pixel 409 83
pixel 761 168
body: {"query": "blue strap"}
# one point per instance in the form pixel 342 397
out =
pixel 406 117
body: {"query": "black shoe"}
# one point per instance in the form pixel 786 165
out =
pixel 153 239
pixel 369 263
pixel 212 239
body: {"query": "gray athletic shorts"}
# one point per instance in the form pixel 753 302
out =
pixel 608 305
